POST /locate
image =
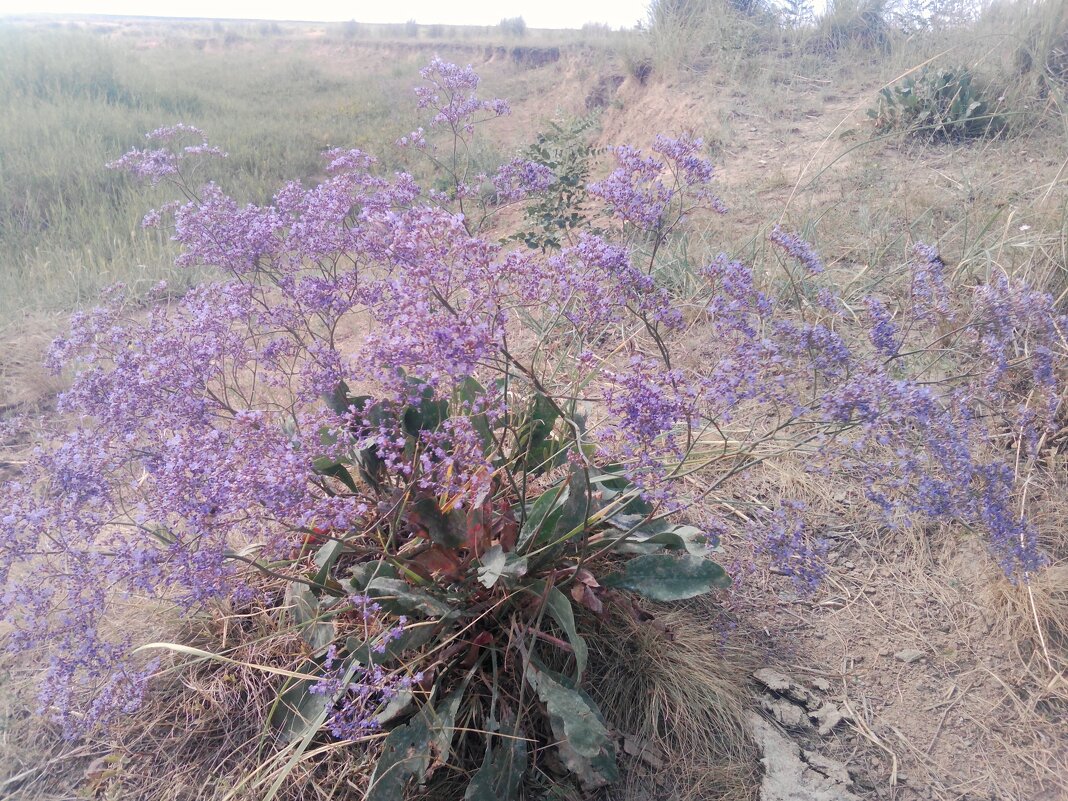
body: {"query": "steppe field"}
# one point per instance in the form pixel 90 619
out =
pixel 577 472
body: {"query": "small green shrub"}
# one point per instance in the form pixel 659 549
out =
pixel 555 218
pixel 939 104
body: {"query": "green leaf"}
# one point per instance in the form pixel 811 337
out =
pixel 300 713
pixel 307 616
pixel 325 558
pixel 497 563
pixel 534 431
pixel 584 743
pixel 326 466
pixel 577 507
pixel 560 609
pixel 468 395
pixel 579 718
pixel 446 713
pixel 396 706
pixel 363 572
pixel 542 515
pixel 662 577
pixel 501 773
pixel 405 755
pixel 340 400
pixel 366 652
pixel 449 529
pixel 427 415
pixel 397 594
pixel 299 709
pixel 671 538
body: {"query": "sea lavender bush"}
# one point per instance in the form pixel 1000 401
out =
pixel 443 456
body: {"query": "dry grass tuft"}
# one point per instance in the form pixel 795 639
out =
pixel 1034 615
pixel 675 688
pixel 205 731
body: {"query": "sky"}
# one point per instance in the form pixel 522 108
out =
pixel 536 13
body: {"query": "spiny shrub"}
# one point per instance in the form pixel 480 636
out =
pixel 441 459
pixel 938 104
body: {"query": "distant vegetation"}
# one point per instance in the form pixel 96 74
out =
pixel 514 26
pixel 72 97
pixel 70 101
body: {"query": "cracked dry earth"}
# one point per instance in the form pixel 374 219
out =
pixel 900 681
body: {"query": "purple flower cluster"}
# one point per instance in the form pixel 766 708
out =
pixel 594 283
pixel 783 537
pixel 882 332
pixel 797 248
pixel 359 693
pixel 451 96
pixel 520 178
pixel 642 189
pixel 930 295
pixel 651 407
pixel 164 163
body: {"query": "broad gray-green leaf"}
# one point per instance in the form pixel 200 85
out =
pixel 326 466
pixel 396 706
pixel 448 529
pixel 307 616
pixel 363 572
pixel 542 515
pixel 583 741
pixel 468 397
pixel 559 607
pixel 325 558
pixel 673 538
pixel 662 577
pixel 501 773
pixel 579 719
pixel 397 593
pixel 300 713
pixel 446 723
pixel 366 652
pixel 405 755
pixel 578 507
pixel 299 709
pixel 592 773
pixel 497 563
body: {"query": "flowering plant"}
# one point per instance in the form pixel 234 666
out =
pixel 448 456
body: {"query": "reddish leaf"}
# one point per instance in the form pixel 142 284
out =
pixel 505 526
pixel 478 529
pixel 587 597
pixel 482 639
pixel 586 577
pixel 439 561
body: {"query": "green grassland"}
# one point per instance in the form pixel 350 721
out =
pixel 73 100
